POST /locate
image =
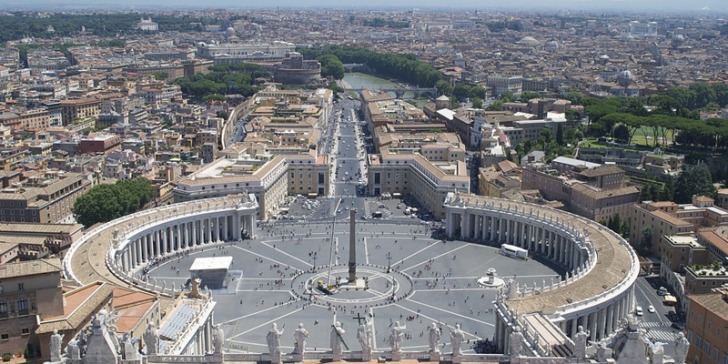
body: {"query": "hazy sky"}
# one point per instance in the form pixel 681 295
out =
pixel 638 5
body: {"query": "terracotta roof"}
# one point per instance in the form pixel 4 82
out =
pixel 714 239
pixel 674 220
pixel 31 267
pixel 79 305
pixel 601 171
pixel 712 302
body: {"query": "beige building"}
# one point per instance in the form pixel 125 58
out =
pixel 270 178
pixel 588 189
pixel 28 290
pixel 46 198
pixel 405 173
pixel 707 326
pixel 494 181
pixel 668 218
pixel 79 109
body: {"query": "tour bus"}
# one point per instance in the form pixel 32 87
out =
pixel 669 300
pixel 513 251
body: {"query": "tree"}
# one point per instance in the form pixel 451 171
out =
pixel 624 228
pixel 645 246
pixel 621 133
pixel 506 96
pixel 528 95
pixel 559 135
pixel 107 202
pixel 572 115
pixel 443 87
pixel 461 91
pixel 694 180
pixel 331 66
pixel 646 193
pixel 496 105
pixel 477 102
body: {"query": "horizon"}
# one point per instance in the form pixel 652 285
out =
pixel 704 7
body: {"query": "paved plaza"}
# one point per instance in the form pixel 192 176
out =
pixel 273 279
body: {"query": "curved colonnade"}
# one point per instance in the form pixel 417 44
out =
pixel 137 241
pixel 597 291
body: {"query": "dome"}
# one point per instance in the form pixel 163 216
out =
pixel 604 57
pixel 443 98
pixel 625 75
pixel 552 45
pixel 531 41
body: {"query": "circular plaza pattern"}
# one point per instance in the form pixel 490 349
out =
pixel 273 279
pixel 408 276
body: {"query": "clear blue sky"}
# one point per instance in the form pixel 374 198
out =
pixel 636 5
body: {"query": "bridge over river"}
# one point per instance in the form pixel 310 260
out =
pixel 401 92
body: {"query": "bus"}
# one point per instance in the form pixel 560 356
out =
pixel 513 251
pixel 669 300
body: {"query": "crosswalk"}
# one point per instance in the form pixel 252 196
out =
pixel 659 331
pixel 662 335
pixel 645 325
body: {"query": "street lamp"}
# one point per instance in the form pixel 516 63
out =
pixel 314 259
pixel 389 262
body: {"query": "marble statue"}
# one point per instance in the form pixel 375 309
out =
pixel 516 342
pixel 457 336
pixel 128 350
pixel 681 348
pixel 218 339
pixel 274 340
pixel 300 336
pixel 603 352
pixel 580 343
pixel 364 335
pixel 151 338
pixel 657 352
pixel 396 337
pixel 73 350
pixel 335 338
pixel 56 345
pixel 435 335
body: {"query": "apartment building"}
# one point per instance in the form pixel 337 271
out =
pixel 707 327
pixel 412 174
pixel 27 291
pixel 501 84
pixel 79 109
pixel 496 180
pixel 99 143
pixel 271 180
pixel 45 198
pixel 588 189
pixel 668 218
pixel 26 120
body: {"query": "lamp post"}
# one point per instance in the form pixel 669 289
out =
pixel 389 262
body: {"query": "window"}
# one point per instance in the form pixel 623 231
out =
pixel 4 336
pixel 25 331
pixel 22 305
pixel 21 287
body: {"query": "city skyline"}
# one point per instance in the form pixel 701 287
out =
pixel 577 5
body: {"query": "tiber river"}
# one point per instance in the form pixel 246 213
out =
pixel 363 80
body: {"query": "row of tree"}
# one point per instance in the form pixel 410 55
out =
pixel 663 118
pixel 110 201
pixel 403 67
pixel 235 78
pixel 17 25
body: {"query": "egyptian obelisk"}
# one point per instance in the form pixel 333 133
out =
pixel 352 246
